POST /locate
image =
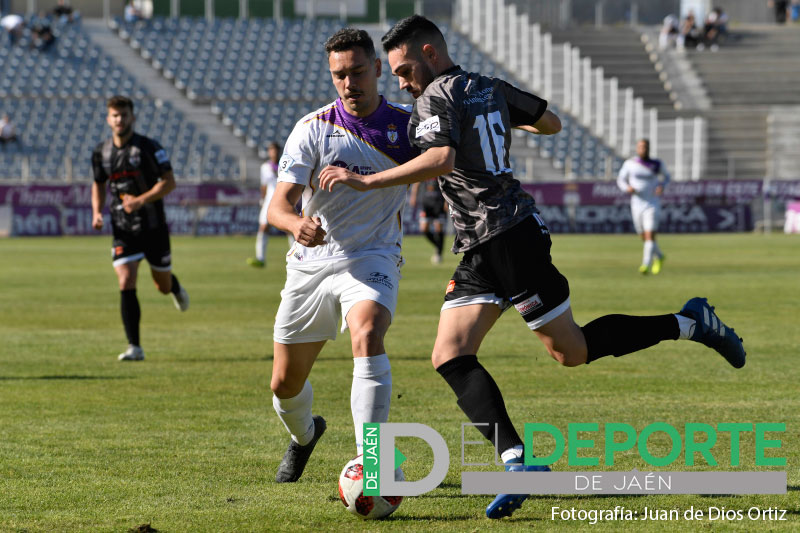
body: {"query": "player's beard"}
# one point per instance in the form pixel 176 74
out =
pixel 427 75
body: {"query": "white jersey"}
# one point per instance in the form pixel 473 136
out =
pixel 644 177
pixel 357 223
pixel 269 180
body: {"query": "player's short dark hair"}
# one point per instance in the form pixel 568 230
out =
pixel 274 144
pixel 349 38
pixel 413 30
pixel 119 102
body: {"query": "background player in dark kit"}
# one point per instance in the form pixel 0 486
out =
pixel 432 214
pixel 462 121
pixel 139 175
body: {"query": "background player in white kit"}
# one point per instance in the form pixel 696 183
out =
pixel 644 179
pixel 346 261
pixel 269 180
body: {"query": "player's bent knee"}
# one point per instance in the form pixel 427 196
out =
pixel 283 388
pixel 573 357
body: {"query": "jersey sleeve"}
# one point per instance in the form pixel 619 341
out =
pixel 435 120
pixel 160 158
pixel 524 109
pixel 267 174
pixel 622 177
pixel 665 177
pixel 299 157
pixel 99 172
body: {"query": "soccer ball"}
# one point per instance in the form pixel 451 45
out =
pixel 351 491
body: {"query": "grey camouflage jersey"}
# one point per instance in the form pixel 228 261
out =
pixel 474 114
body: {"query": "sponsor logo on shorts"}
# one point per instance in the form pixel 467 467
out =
pixel 531 304
pixel 117 250
pixel 451 286
pixel 166 259
pixel 381 278
pixel 429 125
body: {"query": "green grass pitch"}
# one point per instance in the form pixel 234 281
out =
pixel 187 440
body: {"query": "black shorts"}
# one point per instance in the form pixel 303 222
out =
pixel 152 245
pixel 432 211
pixel 513 268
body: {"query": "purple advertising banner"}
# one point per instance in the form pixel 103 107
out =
pixel 675 218
pixel 586 207
pixel 41 210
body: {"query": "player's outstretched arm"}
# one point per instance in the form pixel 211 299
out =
pixel 548 124
pixel 281 214
pixel 434 162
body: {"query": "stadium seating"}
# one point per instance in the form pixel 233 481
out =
pixel 57 102
pixel 261 76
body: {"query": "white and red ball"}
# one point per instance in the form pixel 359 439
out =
pixel 351 491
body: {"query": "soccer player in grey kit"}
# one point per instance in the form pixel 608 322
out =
pixel 462 122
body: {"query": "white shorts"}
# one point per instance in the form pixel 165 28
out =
pixel 645 217
pixel 317 295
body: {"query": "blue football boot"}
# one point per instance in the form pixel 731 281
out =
pixel 505 504
pixel 710 330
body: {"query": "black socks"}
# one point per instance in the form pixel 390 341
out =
pixel 131 314
pixel 622 334
pixel 176 285
pixel 437 239
pixel 481 400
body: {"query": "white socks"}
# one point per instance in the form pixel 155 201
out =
pixel 371 393
pixel 261 246
pixel 647 256
pixel 687 326
pixel 512 454
pixel 295 413
pixel 657 250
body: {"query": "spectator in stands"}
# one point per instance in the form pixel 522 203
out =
pixel 42 36
pixel 780 7
pixel 14 25
pixel 132 13
pixel 8 133
pixel 715 29
pixel 669 32
pixel 689 33
pixel 64 12
pixel 269 180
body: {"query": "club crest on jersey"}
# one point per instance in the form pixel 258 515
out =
pixel 134 158
pixel 391 133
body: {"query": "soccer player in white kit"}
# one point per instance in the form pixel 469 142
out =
pixel 644 179
pixel 346 259
pixel 269 180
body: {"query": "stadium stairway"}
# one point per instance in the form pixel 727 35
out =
pixel 622 54
pixel 160 88
pixel 756 69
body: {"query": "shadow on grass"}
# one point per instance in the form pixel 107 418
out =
pixel 242 359
pixel 66 378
